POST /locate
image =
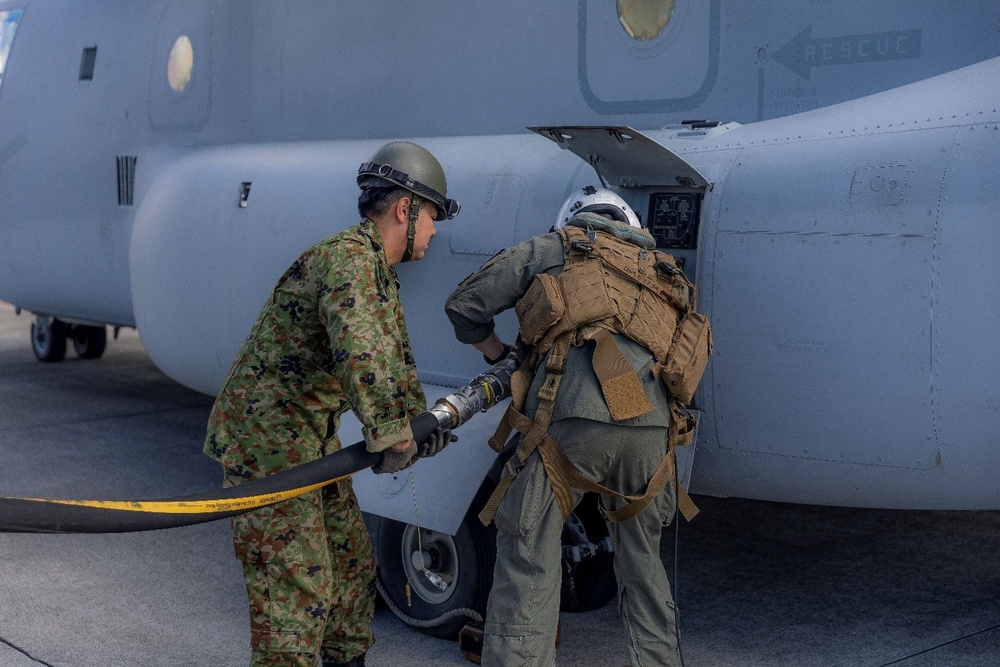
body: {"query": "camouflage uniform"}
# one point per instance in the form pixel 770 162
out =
pixel 523 608
pixel 331 338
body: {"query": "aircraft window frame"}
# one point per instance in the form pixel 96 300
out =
pixel 9 20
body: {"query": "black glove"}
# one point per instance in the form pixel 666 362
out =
pixel 394 460
pixel 435 442
pixel 507 349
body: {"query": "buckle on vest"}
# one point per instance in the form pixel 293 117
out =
pixel 513 466
pixel 549 388
pixel 582 247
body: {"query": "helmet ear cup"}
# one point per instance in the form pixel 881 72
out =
pixel 597 200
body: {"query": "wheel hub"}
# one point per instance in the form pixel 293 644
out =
pixel 430 561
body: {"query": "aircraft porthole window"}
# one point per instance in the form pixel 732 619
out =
pixel 8 26
pixel 180 64
pixel 644 20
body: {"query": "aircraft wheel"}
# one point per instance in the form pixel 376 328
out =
pixel 48 339
pixel 591 586
pixel 89 342
pixel 590 583
pixel 462 565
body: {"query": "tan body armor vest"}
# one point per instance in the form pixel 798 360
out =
pixel 611 284
pixel 608 285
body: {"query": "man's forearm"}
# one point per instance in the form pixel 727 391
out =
pixel 492 347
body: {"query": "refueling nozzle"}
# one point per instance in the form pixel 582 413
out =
pixel 481 394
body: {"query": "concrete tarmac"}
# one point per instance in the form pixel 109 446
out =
pixel 758 584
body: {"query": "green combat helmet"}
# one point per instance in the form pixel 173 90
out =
pixel 413 167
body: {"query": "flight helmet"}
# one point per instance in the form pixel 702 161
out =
pixel 596 200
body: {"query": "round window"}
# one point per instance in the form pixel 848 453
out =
pixel 644 20
pixel 180 64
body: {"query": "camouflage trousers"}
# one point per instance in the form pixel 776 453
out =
pixel 523 609
pixel 310 576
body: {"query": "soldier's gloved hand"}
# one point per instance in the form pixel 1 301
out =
pixel 435 442
pixel 507 349
pixel 394 460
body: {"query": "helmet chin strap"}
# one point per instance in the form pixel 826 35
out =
pixel 411 229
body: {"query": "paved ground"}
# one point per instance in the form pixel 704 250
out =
pixel 760 584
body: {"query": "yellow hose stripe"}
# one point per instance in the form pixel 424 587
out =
pixel 191 506
pixel 489 392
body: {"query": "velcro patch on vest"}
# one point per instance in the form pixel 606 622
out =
pixel 621 387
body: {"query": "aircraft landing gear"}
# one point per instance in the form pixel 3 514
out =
pixel 588 581
pixel 48 339
pixel 49 336
pixel 89 342
pixel 430 579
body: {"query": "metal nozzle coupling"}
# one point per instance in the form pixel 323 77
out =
pixel 480 395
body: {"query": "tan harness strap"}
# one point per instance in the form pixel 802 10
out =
pixel 502 434
pixel 552 314
pixel 554 366
pixel 534 430
pixel 563 475
pixel 557 460
pixel 685 505
pixel 489 510
pixel 621 387
pixel 520 382
pixel 560 472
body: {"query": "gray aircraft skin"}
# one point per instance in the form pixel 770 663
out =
pixel 161 164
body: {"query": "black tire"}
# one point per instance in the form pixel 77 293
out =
pixel 591 583
pixel 464 561
pixel 89 342
pixel 590 586
pixel 48 339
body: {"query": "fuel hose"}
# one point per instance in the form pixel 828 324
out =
pixel 42 515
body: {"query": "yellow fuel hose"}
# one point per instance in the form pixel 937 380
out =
pixel 43 515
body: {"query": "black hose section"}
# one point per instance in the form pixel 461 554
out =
pixel 423 424
pixel 347 461
pixel 31 515
pixel 25 515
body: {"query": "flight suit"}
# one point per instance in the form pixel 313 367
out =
pixel 523 608
pixel 330 338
